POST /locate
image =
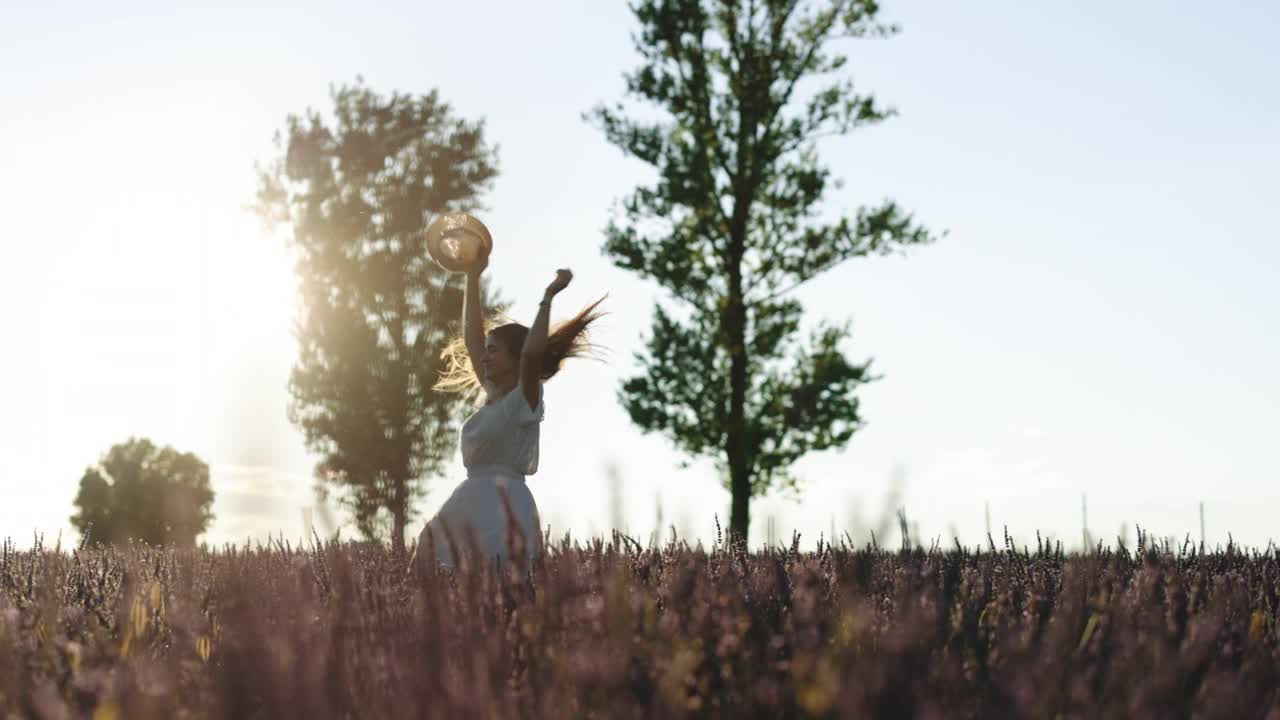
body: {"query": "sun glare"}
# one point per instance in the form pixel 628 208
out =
pixel 159 292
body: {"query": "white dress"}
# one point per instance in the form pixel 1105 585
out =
pixel 499 449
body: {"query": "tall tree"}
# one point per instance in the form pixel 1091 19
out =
pixel 139 491
pixel 734 224
pixel 359 189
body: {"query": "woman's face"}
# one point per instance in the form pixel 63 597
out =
pixel 499 365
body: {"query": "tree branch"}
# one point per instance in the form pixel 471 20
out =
pixel 795 79
pixel 702 101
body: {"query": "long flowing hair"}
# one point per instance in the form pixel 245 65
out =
pixel 564 340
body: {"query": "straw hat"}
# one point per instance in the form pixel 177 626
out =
pixel 457 240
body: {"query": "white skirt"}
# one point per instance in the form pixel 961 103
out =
pixel 475 510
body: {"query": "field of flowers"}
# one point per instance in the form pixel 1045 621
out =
pixel 616 630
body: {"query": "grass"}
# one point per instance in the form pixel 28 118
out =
pixel 615 630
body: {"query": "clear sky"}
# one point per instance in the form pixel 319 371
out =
pixel 1101 319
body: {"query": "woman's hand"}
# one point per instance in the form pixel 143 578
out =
pixel 563 277
pixel 478 266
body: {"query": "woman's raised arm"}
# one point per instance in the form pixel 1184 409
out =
pixel 473 316
pixel 535 343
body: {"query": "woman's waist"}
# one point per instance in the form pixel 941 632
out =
pixel 494 470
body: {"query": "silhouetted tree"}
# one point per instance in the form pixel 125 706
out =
pixel 733 225
pixel 359 190
pixel 138 491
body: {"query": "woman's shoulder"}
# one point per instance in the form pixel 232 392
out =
pixel 492 398
pixel 520 406
pixel 518 391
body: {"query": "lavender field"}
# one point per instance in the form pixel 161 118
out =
pixel 614 630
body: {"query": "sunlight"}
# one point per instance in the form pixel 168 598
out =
pixel 159 293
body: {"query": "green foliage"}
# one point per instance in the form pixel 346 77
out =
pixel 359 190
pixel 139 491
pixel 734 223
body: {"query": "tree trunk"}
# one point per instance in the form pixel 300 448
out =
pixel 739 470
pixel 397 530
pixel 399 516
pixel 735 316
pixel 736 446
pixel 740 513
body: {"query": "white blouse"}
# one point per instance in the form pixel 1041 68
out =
pixel 503 433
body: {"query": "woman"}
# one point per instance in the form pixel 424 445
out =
pixel 500 440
